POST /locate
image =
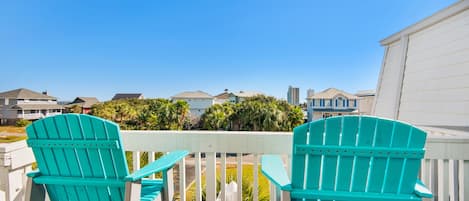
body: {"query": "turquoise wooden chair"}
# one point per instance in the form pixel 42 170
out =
pixel 351 158
pixel 80 157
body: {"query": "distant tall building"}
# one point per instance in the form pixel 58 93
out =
pixel 293 95
pixel 310 92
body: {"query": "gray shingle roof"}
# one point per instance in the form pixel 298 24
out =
pixel 192 94
pixel 23 93
pixel 127 96
pixel 331 93
pixel 85 102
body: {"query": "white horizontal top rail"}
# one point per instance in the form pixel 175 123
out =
pixel 209 141
pixel 440 145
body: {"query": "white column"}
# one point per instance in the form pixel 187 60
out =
pixel 223 177
pixel 182 179
pixel 239 180
pixel 198 177
pixel 210 177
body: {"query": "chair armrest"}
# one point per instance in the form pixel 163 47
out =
pixel 33 174
pixel 421 190
pixel 162 164
pixel 272 168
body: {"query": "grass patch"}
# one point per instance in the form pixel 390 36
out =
pixel 12 129
pixel 12 138
pixel 231 174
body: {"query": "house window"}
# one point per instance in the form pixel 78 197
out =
pixel 33 111
pixel 19 112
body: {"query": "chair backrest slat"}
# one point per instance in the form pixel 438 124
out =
pixel 329 165
pixel 359 154
pixel 348 138
pixel 299 161
pixel 383 137
pixel 316 137
pixel 366 131
pixel 66 160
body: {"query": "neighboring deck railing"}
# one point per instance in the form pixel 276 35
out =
pixel 445 169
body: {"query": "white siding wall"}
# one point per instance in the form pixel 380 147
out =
pixel 389 84
pixel 436 80
pixel 365 104
pixel 196 104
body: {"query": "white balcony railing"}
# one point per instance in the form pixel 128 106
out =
pixel 445 169
pixel 38 115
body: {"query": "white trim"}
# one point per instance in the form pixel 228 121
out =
pixel 452 10
pixel 400 81
pixel 380 79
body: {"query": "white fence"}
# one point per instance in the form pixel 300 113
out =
pixel 445 170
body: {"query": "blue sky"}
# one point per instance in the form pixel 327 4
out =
pixel 160 48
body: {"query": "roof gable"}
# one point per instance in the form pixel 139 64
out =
pixel 23 93
pixel 192 94
pixel 331 93
pixel 127 96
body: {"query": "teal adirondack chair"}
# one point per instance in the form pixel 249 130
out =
pixel 351 158
pixel 80 157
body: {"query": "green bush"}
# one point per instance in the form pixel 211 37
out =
pixel 22 123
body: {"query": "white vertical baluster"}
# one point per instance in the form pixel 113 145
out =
pixel 136 160
pixel 223 177
pixel 210 177
pixel 272 191
pixel 431 177
pixel 198 177
pixel 451 180
pixel 443 180
pixel 151 158
pixel 239 180
pixel 423 171
pixel 463 179
pixel 255 190
pixel 182 180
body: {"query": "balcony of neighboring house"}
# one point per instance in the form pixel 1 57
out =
pixel 37 114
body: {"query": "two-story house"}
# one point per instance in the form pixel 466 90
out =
pixel 198 101
pixel 331 102
pixel 26 104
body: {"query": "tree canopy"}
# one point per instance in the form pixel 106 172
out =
pixel 259 113
pixel 147 114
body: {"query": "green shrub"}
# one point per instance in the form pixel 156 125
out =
pixel 22 123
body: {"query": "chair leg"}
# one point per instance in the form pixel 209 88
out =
pixel 34 192
pixel 168 185
pixel 133 190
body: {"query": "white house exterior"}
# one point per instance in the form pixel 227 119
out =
pixel 366 99
pixel 26 104
pixel 424 77
pixel 331 102
pixel 198 101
